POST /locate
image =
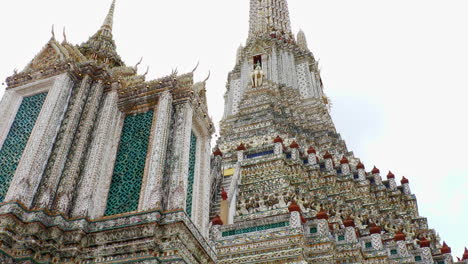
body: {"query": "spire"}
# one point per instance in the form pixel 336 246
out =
pixel 302 40
pixel 268 17
pixel 109 21
pixel 101 46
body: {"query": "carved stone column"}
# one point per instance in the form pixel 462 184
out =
pixel 62 146
pixel 94 169
pixel 9 106
pixel 153 192
pixel 178 172
pixel 78 152
pixel 31 166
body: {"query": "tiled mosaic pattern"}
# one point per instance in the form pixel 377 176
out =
pixel 15 143
pixel 254 229
pixel 124 192
pixel 191 174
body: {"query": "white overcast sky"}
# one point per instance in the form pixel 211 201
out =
pixel 396 72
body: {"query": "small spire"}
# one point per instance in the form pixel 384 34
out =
pixel 328 155
pixel 53 32
pixel 64 35
pixel 302 40
pixel 344 160
pixel 375 170
pixel 445 249
pixel 109 21
pixel 360 166
pixel 311 150
pixel 101 46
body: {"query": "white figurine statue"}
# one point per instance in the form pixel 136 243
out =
pixel 257 76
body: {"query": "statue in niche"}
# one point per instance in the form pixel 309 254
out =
pixel 257 76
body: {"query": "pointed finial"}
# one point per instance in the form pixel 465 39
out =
pixel 138 63
pixel 64 35
pixel 147 70
pixel 208 77
pixel 53 32
pixel 109 21
pixel 196 67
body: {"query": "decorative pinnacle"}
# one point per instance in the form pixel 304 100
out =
pixel 269 17
pixel 109 21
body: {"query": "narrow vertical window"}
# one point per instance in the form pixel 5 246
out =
pixel 17 138
pixel 124 192
pixel 191 173
pixel 257 61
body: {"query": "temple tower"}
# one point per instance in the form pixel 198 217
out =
pixel 111 167
pixel 294 192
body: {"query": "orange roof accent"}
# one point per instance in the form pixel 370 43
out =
pixel 360 166
pixel 311 150
pixel 224 194
pixel 375 229
pixel 293 207
pixel 218 152
pixel 424 242
pixel 465 255
pixel 349 223
pixel 217 220
pixel 344 160
pixel 322 215
pixel 445 249
pixel 241 147
pixel 294 145
pixel 400 236
pixel 328 155
pixel 278 139
pixel 375 170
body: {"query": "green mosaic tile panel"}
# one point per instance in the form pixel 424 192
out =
pixel 17 137
pixel 254 229
pixel 124 192
pixel 191 174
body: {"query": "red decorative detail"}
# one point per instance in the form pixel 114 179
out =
pixel 241 147
pixel 375 229
pixel 303 220
pixel 218 152
pixel 322 215
pixel 400 236
pixel 360 166
pixel 293 207
pixel 344 160
pixel 349 223
pixel 390 175
pixel 294 145
pixel 404 180
pixel 278 139
pixel 328 155
pixel 375 170
pixel 465 255
pixel 330 226
pixel 445 249
pixel 424 242
pixel 224 194
pixel 217 221
pixel 311 150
